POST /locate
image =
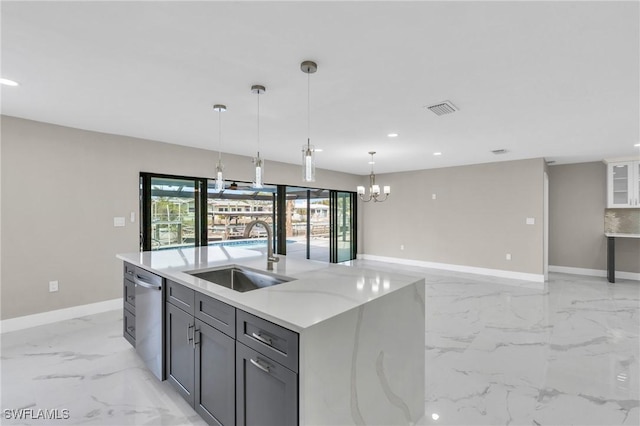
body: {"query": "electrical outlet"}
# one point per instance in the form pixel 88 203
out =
pixel 508 256
pixel 433 196
pixel 53 286
pixel 132 217
pixel 401 246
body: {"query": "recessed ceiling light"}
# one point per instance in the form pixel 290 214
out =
pixel 638 144
pixel 393 135
pixel 8 82
pixel 437 153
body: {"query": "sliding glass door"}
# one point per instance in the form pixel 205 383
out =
pixel 233 212
pixel 171 212
pixel 343 230
pixel 307 223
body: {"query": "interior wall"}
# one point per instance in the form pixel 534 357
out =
pixel 61 189
pixel 578 198
pixel 477 217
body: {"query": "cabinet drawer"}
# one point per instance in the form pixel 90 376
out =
pixel 271 340
pixel 217 314
pixel 129 295
pixel 129 327
pixel 181 296
pixel 129 271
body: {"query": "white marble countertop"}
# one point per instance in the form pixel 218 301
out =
pixel 610 234
pixel 318 292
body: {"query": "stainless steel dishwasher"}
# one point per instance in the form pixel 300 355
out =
pixel 149 320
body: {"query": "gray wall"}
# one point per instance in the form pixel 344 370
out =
pixel 478 216
pixel 61 188
pixel 577 200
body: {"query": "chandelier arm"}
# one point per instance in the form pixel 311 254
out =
pixel 363 199
pixel 384 199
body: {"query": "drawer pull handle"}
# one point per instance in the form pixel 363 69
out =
pixel 264 340
pixel 195 342
pixel 259 365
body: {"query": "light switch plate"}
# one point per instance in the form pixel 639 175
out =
pixel 531 221
pixel 118 221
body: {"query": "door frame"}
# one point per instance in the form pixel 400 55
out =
pixel 545 249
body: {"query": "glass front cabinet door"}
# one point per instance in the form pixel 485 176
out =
pixel 623 184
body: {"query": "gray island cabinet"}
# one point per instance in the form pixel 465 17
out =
pixel 336 345
pixel 217 374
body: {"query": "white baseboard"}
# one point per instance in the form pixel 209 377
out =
pixel 593 272
pixel 539 278
pixel 28 321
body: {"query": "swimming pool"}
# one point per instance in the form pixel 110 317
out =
pixel 248 243
pixel 251 242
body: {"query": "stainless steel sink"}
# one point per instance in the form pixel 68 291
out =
pixel 239 278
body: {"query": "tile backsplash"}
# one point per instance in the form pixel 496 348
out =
pixel 622 221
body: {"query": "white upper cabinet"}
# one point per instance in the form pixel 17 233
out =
pixel 623 184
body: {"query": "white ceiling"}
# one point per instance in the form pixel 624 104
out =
pixel 558 80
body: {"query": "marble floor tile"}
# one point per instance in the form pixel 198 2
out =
pixel 498 352
pixel 86 367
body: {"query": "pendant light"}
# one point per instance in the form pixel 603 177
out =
pixel 219 183
pixel 308 151
pixel 374 190
pixel 258 163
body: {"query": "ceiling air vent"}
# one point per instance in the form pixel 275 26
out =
pixel 442 108
pixel 499 151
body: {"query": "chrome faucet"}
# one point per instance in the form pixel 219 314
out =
pixel 270 257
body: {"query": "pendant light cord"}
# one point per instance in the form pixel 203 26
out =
pixel 308 109
pixel 219 135
pixel 258 94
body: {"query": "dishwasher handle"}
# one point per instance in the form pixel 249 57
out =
pixel 142 283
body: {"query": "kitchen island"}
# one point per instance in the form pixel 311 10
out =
pixel 360 333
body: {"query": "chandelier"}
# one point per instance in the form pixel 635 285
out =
pixel 374 190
